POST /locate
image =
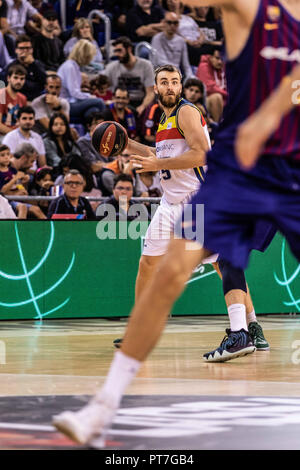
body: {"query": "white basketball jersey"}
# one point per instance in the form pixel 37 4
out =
pixel 170 142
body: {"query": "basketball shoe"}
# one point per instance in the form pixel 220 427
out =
pixel 235 344
pixel 90 423
pixel 257 337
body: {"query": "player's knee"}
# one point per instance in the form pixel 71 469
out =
pixel 232 278
pixel 147 263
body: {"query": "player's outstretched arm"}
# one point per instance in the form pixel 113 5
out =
pixel 207 3
pixel 256 130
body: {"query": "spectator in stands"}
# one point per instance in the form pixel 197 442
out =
pixel 71 202
pixel 212 30
pixel 212 73
pixel 118 205
pixel 9 176
pixel 121 165
pixel 9 50
pixel 35 76
pixel 81 103
pixel 169 47
pixel 59 142
pixel 95 161
pixel 144 20
pixel 48 48
pixel 83 29
pixel 120 111
pixel 194 91
pixel 19 12
pixel 134 73
pixel 24 158
pixel 41 186
pixel 6 211
pixel 11 100
pixel 5 58
pixel 100 88
pixel 25 134
pixel 119 10
pixel 49 103
pixel 187 29
pixel 149 123
pixel 148 184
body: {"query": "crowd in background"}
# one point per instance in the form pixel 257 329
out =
pixel 58 85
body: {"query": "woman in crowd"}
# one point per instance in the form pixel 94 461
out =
pixel 59 142
pixel 83 29
pixel 81 103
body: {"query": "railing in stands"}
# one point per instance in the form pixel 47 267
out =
pixel 107 25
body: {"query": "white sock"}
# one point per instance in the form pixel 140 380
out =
pixel 251 317
pixel 122 371
pixel 237 317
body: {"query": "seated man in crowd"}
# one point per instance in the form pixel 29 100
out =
pixel 49 103
pixel 169 47
pixel 149 123
pixel 48 48
pixel 118 205
pixel 19 12
pixel 89 154
pixel 134 73
pixel 211 72
pixel 25 134
pixel 19 168
pixel 11 100
pixel 144 20
pixel 71 203
pixel 121 165
pixel 120 111
pixel 35 72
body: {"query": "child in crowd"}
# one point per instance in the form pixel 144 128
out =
pixel 42 185
pixel 99 88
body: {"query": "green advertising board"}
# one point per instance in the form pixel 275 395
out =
pixel 60 269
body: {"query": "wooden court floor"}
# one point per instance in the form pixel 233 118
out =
pixel 177 401
pixel 71 357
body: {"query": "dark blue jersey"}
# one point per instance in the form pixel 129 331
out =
pixel 271 52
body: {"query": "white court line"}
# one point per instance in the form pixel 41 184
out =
pixel 142 379
pixel 27 427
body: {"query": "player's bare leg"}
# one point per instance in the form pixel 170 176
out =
pixel 147 268
pixel 146 323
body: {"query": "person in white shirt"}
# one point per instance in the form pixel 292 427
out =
pixel 81 103
pixel 24 134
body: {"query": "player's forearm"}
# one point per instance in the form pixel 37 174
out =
pixel 206 3
pixel 135 147
pixel 190 159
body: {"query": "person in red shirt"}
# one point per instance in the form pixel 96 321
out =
pixel 11 100
pixel 211 72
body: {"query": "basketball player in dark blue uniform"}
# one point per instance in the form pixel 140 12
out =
pixel 262 46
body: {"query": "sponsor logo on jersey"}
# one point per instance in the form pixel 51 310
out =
pixel 271 26
pixel 281 53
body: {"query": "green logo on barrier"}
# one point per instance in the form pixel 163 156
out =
pixel 27 275
pixel 288 282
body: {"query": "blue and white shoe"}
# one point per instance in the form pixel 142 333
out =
pixel 235 344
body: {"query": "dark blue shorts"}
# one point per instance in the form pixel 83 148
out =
pixel 242 213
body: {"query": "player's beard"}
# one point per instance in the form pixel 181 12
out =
pixel 169 101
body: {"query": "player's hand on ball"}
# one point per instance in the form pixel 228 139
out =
pixel 143 164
